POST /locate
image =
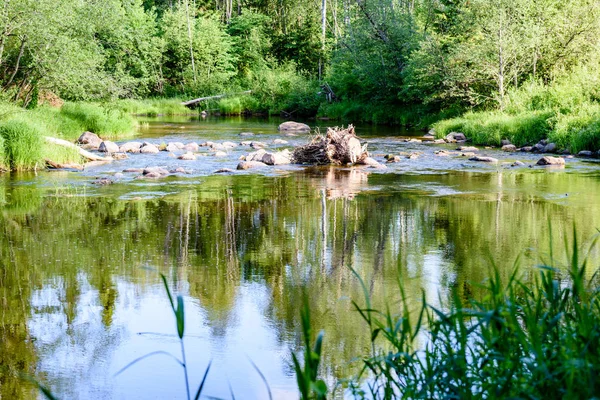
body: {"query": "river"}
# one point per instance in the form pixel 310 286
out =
pixel 81 296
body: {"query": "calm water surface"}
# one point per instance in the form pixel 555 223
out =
pixel 80 295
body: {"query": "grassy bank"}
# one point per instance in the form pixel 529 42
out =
pixel 566 112
pixel 22 145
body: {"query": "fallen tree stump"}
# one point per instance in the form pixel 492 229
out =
pixel 339 147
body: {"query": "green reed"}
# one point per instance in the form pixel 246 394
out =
pixel 525 337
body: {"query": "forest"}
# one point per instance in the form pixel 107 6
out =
pixel 517 69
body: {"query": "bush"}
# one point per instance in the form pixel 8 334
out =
pixel 23 144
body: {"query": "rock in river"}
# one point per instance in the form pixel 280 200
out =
pixel 275 159
pixel 149 148
pixel 189 156
pixel 484 159
pixel 108 147
pixel 509 148
pixel 454 137
pixel 130 147
pixel 90 140
pixel 250 164
pixel 293 127
pixel 551 161
pixel 468 149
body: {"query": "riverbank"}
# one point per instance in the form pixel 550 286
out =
pixel 22 132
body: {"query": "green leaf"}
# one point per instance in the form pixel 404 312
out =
pixel 180 315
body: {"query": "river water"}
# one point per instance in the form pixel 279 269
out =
pixel 81 297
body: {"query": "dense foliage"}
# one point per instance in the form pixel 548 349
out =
pixel 387 61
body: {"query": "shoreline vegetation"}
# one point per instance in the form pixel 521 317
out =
pixel 495 70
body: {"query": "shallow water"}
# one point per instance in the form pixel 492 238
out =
pixel 80 295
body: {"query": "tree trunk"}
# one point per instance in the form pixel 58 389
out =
pixel 189 29
pixel 82 152
pixel 17 64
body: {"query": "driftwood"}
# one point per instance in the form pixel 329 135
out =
pixel 339 146
pixel 85 154
pixel 56 165
pixel 190 103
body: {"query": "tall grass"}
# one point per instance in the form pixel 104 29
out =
pixel 107 123
pixel 22 145
pixel 4 164
pixel 492 127
pixel 152 107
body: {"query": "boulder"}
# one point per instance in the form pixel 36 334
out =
pixel 551 161
pixel 550 148
pixel 439 141
pixel 207 144
pixel 291 126
pixel 220 154
pixel 538 148
pixel 256 156
pixel 246 134
pixel 179 170
pixel 467 148
pixel 484 159
pixel 517 164
pixel 585 153
pixel 230 145
pixel 258 145
pixel 526 149
pixel 136 170
pixel 155 170
pixel 119 156
pixel 250 164
pixel 412 156
pixel 108 147
pixel 189 156
pixel 152 175
pixel 130 147
pixel 173 148
pixel 275 159
pixel 246 143
pixel 442 153
pixel 509 148
pixel 149 148
pixel 280 141
pixel 218 146
pixel 192 146
pixel 453 137
pixel 393 159
pixel 90 140
pixel 224 171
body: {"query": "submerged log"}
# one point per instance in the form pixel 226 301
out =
pixel 339 146
pixel 55 165
pixel 85 154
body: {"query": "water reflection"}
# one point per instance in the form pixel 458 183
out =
pixel 77 301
